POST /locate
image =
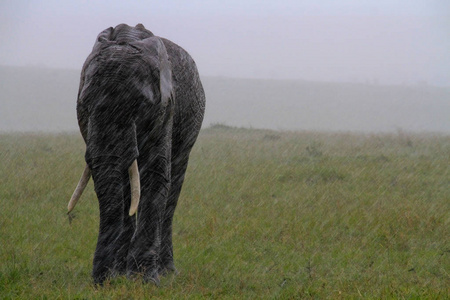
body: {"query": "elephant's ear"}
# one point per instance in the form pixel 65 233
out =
pixel 103 38
pixel 155 49
pixel 165 78
pixel 105 35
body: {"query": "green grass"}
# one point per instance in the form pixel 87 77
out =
pixel 263 214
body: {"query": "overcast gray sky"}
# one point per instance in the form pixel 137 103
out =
pixel 384 41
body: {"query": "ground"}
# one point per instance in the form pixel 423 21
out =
pixel 263 214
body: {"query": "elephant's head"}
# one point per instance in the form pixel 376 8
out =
pixel 127 70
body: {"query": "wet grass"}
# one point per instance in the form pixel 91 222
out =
pixel 263 214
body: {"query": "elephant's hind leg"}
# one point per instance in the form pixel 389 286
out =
pixel 178 171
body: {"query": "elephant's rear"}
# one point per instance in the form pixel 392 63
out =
pixel 189 100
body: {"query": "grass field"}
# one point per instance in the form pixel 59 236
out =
pixel 263 214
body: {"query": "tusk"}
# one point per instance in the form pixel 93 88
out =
pixel 135 185
pixel 79 189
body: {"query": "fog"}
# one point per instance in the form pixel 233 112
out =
pixel 308 65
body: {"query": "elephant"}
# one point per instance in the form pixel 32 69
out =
pixel 140 108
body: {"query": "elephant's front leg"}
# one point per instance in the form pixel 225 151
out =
pixel 144 254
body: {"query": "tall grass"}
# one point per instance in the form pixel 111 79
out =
pixel 263 214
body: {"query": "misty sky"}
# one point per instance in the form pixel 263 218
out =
pixel 379 41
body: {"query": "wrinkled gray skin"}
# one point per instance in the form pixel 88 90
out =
pixel 141 98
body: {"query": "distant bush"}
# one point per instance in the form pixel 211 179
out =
pixel 221 126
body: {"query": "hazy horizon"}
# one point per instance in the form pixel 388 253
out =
pixel 380 42
pixel 43 99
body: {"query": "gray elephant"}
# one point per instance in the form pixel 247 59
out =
pixel 140 108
